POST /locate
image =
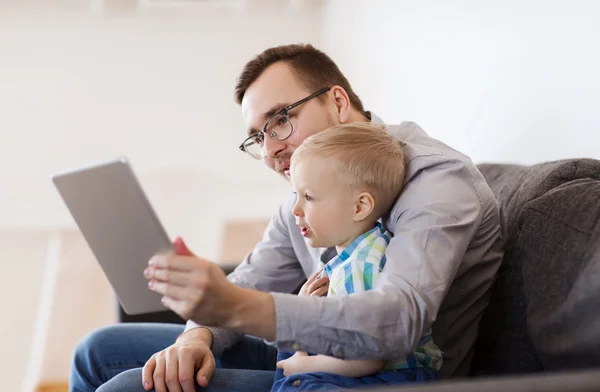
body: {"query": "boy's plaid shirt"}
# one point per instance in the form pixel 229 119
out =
pixel 356 269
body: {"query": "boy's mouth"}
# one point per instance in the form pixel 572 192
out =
pixel 305 231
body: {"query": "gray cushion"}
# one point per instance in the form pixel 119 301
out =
pixel 560 240
pixel 513 330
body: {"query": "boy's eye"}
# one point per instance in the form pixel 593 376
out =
pixel 308 197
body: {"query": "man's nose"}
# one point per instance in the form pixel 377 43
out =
pixel 273 147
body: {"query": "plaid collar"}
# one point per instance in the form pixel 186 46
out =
pixel 362 241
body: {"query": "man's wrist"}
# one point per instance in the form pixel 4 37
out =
pixel 199 333
pixel 253 314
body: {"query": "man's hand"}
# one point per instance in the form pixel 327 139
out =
pixel 315 286
pixel 188 284
pixel 175 368
pixel 197 289
pixel 295 364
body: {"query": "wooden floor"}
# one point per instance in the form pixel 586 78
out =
pixel 53 387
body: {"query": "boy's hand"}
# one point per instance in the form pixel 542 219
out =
pixel 294 364
pixel 315 286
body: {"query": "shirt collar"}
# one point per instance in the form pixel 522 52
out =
pixel 375 119
pixel 356 245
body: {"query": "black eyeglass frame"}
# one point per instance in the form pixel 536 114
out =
pixel 285 112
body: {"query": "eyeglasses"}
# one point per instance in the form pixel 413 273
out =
pixel 278 127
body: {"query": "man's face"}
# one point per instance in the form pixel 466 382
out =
pixel 276 88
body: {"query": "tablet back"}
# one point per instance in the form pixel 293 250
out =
pixel 119 225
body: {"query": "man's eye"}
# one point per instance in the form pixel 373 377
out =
pixel 282 120
pixel 258 139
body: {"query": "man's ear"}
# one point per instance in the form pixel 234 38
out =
pixel 342 103
pixel 363 206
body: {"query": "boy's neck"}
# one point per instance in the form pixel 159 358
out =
pixel 360 229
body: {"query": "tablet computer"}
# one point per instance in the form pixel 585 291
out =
pixel 119 225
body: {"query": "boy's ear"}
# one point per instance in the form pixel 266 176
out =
pixel 363 206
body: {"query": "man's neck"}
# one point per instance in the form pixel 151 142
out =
pixel 357 116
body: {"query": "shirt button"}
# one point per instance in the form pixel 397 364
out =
pixel 296 383
pixel 296 346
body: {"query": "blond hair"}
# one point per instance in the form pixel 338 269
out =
pixel 368 158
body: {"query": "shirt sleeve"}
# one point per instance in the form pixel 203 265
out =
pixel 433 222
pixel 272 266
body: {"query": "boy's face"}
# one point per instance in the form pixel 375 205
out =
pixel 324 208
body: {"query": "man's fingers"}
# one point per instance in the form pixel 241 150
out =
pixel 181 248
pixel 207 368
pixel 186 373
pixel 177 278
pixel 147 372
pixel 159 375
pixel 175 262
pixel 172 372
pixel 168 290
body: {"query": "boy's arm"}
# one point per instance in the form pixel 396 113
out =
pixel 302 363
pixel 346 368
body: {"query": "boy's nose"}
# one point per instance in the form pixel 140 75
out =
pixel 296 210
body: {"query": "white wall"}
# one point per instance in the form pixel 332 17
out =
pixel 21 268
pixel 159 88
pixel 78 87
pixel 505 81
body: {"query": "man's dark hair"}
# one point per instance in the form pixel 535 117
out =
pixel 313 67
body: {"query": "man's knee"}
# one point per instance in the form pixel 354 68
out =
pixel 89 344
pixel 129 380
pixel 93 342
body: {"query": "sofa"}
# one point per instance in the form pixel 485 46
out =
pixel 544 314
pixel 541 330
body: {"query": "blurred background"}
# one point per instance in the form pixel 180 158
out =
pixel 83 81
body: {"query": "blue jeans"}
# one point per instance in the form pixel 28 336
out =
pixel 319 381
pixel 111 359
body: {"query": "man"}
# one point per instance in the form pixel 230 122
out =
pixel 440 266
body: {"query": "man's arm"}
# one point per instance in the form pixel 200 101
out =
pixel 434 221
pixel 272 266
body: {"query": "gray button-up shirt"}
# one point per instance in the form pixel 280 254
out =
pixel 441 264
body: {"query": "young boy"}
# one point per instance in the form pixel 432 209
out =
pixel 346 178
